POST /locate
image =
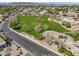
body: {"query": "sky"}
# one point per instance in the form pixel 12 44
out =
pixel 55 1
pixel 39 0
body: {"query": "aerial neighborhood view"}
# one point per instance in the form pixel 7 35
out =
pixel 39 29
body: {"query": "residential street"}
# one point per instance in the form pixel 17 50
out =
pixel 29 45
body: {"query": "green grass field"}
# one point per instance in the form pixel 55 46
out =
pixel 28 23
pixel 65 51
pixel 74 35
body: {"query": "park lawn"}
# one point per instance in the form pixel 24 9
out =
pixel 65 51
pixel 74 35
pixel 28 23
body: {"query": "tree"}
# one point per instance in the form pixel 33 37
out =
pixel 67 24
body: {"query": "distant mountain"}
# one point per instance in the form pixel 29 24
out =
pixel 37 3
pixel 60 3
pixel 17 3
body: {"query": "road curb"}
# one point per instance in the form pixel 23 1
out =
pixel 36 42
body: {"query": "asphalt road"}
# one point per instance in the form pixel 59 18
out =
pixel 29 45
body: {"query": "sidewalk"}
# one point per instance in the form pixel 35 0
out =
pixel 36 42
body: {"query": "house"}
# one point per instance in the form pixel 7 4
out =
pixel 1 17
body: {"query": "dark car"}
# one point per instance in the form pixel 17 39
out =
pixel 1 30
